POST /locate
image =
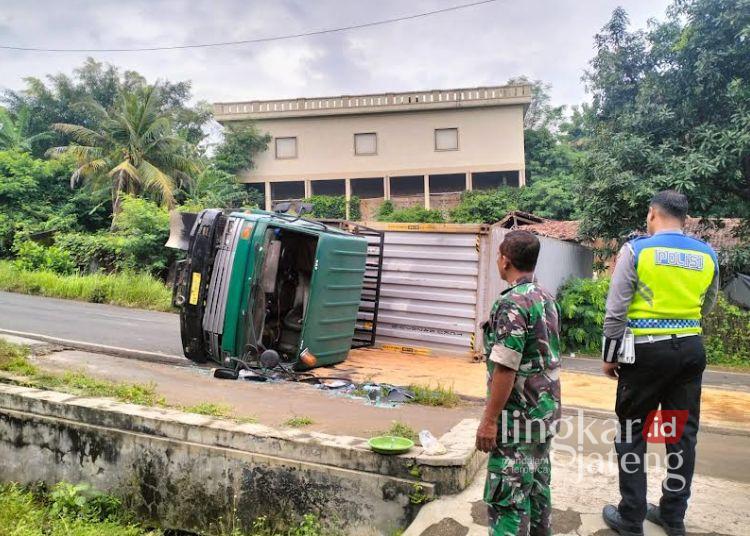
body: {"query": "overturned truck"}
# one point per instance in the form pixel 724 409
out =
pixel 258 282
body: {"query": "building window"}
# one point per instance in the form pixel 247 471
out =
pixel 286 147
pixel 446 139
pixel 366 143
pixel 489 180
pixel 287 191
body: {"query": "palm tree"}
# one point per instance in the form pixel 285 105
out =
pixel 132 150
pixel 14 131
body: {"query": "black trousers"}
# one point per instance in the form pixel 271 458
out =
pixel 667 374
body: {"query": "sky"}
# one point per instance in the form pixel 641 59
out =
pixel 551 40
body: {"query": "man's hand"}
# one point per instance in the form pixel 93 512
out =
pixel 611 370
pixel 487 436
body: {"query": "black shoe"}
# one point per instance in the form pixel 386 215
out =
pixel 653 514
pixel 614 520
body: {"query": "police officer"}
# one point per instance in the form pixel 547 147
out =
pixel 663 284
pixel 522 345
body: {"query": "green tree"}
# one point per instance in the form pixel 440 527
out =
pixel 214 188
pixel 59 98
pixel 671 109
pixel 134 150
pixel 14 131
pixel 554 197
pixel 238 148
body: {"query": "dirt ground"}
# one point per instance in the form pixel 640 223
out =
pixel 271 404
pixel 718 406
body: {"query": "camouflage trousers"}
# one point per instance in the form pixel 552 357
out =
pixel 517 490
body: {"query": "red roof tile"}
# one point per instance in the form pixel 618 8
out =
pixel 562 230
pixel 721 233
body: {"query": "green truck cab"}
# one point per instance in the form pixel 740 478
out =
pixel 254 281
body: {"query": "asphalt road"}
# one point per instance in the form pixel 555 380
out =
pixel 135 329
pixel 152 331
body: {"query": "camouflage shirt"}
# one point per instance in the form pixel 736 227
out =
pixel 523 334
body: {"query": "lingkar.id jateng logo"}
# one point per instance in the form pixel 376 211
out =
pixel 665 425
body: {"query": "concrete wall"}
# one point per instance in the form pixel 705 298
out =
pixel 192 472
pixel 490 139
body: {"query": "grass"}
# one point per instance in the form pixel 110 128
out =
pixel 210 409
pixel 14 359
pixel 437 396
pixel 68 510
pixel 400 429
pixel 299 422
pixel 137 290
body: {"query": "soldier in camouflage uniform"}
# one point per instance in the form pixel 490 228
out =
pixel 522 345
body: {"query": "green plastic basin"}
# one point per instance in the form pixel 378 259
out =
pixel 390 444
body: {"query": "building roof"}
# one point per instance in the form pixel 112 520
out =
pixel 720 233
pixel 519 218
pixel 562 230
pixel 519 94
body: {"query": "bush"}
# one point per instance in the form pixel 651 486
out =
pixel 334 207
pixel 35 196
pixel 582 302
pixel 387 212
pixel 145 226
pixel 129 289
pixel 486 206
pixel 93 252
pixel 136 244
pixel 33 256
pixel 727 331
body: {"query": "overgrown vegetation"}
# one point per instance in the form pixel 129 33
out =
pixel 726 329
pixel 66 510
pixel 79 510
pixel 435 396
pixel 387 212
pixel 128 289
pixel 334 207
pixel 582 302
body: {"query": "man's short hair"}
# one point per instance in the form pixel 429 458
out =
pixel 673 203
pixel 522 248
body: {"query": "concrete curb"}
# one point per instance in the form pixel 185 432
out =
pixel 448 473
pixel 141 355
pixel 179 361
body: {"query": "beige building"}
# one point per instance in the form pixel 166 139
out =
pixel 414 148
